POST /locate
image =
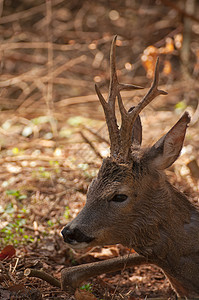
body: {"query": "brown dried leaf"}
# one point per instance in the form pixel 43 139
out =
pixel 106 253
pixel 82 295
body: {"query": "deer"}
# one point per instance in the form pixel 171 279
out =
pixel 131 201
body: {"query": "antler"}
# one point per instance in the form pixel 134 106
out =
pixel 109 107
pixel 120 138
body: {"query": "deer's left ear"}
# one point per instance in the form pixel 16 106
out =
pixel 165 151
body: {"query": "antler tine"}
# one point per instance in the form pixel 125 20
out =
pixel 113 86
pixel 128 118
pixel 111 123
pixel 152 93
pixel 109 107
pixel 113 75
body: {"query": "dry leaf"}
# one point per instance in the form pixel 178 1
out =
pixel 106 253
pixel 151 53
pixel 84 295
pixel 149 59
pixel 17 288
pixel 7 252
pixel 167 67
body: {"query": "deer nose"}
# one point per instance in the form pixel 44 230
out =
pixel 74 235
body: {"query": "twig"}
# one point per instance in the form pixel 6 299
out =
pixel 15 266
pixel 101 138
pixel 171 34
pixel 26 13
pixel 29 158
pixel 29 78
pixel 68 65
pixel 17 56
pixel 122 271
pixel 1 7
pixel 35 45
pixel 78 22
pixel 32 229
pixel 49 95
pixel 91 145
pixel 180 10
pixel 185 51
pixel 195 117
pixel 42 275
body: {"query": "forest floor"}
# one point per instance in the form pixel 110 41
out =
pixel 53 136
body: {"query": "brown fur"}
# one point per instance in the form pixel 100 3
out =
pixel 157 221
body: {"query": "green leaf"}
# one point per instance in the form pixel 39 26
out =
pixel 181 106
pixel 66 213
pixel 86 287
pixel 15 150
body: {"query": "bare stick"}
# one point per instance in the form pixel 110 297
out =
pixel 34 45
pixel 190 7
pixel 97 135
pixel 49 96
pixel 74 276
pixel 26 13
pixel 181 11
pixel 42 275
pixel 91 145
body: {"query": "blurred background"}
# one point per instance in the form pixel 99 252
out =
pixel 53 135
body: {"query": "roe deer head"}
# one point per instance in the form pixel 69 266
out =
pixel 131 201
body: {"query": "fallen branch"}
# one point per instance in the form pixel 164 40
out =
pixel 74 276
pixel 42 275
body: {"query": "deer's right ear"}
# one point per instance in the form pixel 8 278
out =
pixel 136 137
pixel 163 153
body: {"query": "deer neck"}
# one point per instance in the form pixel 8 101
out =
pixel 179 229
pixel 175 246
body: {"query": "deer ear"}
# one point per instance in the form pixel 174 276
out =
pixel 165 151
pixel 136 130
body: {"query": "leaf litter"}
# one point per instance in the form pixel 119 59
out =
pixel 49 133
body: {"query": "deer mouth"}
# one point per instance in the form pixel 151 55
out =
pixel 75 238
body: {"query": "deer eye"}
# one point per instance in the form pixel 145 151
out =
pixel 119 198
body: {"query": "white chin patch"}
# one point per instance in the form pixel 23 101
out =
pixel 76 245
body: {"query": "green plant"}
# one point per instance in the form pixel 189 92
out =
pixel 181 106
pixel 41 173
pixel 44 173
pixel 17 194
pixel 55 165
pixel 88 173
pixel 50 223
pixel 86 287
pixel 66 213
pixel 13 232
pixel 15 150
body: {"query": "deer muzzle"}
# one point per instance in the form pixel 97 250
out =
pixel 75 238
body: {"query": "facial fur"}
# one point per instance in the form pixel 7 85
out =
pixel 102 218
